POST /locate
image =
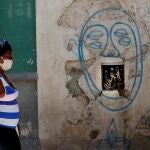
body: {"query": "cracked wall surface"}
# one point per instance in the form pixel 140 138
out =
pixel 75 38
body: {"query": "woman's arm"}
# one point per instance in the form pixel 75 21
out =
pixel 2 90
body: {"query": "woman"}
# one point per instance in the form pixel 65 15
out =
pixel 9 110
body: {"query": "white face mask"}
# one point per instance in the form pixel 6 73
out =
pixel 7 64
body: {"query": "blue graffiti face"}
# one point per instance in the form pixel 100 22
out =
pixel 112 33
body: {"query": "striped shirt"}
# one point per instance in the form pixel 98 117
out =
pixel 9 110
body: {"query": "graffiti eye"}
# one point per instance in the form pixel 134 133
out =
pixel 96 45
pixel 125 41
pixel 95 35
pixel 96 38
pixel 123 37
pixel 120 33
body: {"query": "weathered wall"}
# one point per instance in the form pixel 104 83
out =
pixel 75 38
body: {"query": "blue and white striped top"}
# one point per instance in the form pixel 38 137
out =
pixel 9 110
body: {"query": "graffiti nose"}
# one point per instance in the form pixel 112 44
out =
pixel 110 51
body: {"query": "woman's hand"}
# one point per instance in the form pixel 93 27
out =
pixel 2 90
pixel 1 60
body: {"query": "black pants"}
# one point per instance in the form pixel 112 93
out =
pixel 9 139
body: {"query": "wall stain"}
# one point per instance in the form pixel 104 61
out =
pixel 76 13
pixel 73 67
pixel 76 91
pixel 94 133
pixel 124 92
pixel 143 126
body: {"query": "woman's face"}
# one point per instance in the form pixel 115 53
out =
pixel 8 55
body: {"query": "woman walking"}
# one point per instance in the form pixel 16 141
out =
pixel 9 110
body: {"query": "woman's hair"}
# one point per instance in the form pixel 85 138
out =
pixel 4 47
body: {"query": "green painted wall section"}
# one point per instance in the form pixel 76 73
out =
pixel 17 25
